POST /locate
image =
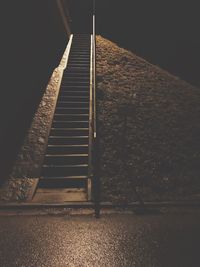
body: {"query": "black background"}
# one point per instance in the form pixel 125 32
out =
pixel 31 45
pixel 164 32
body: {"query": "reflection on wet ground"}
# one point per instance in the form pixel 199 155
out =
pixel 171 239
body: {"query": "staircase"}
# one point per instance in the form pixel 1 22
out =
pixel 66 161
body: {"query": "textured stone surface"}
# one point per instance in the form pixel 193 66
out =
pixel 159 149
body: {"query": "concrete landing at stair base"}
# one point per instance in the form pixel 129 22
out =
pixel 59 195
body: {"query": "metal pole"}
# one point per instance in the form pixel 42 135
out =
pixel 95 137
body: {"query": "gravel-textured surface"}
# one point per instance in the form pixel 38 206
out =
pixel 149 132
pixel 149 128
pixel 16 189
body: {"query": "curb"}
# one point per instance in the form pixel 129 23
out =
pixel 78 205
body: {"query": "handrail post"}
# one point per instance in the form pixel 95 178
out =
pixel 93 171
pixel 96 183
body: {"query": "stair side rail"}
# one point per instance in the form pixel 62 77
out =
pixel 93 137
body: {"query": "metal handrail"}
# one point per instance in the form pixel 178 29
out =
pixel 95 155
pixel 94 78
pixel 90 151
pixel 92 114
pixel 93 144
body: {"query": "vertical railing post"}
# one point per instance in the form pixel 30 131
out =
pixel 96 181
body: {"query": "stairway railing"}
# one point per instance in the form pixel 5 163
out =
pixel 93 141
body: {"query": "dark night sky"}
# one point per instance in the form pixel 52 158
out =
pixel 164 32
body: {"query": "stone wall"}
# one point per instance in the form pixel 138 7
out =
pixel 160 146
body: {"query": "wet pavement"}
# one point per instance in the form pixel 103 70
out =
pixel 171 239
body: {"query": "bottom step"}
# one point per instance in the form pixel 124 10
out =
pixel 60 183
pixel 59 195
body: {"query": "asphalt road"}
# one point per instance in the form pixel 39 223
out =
pixel 171 239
